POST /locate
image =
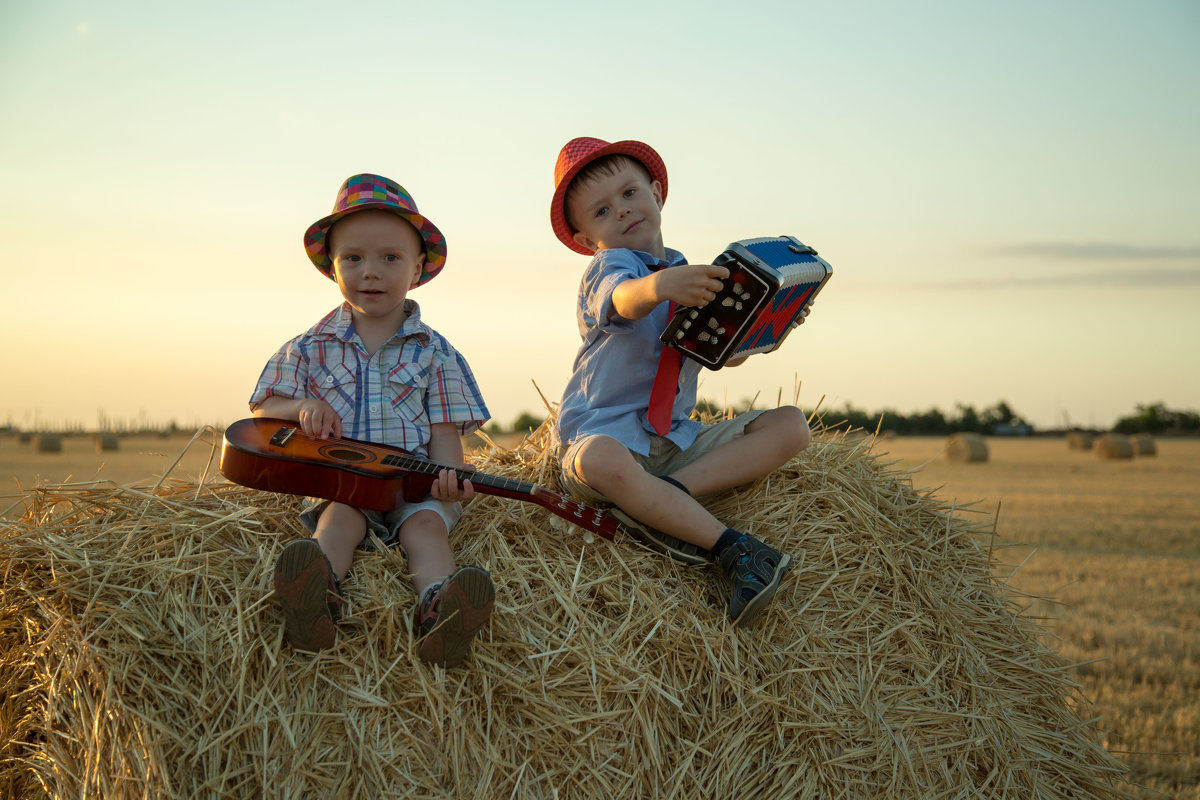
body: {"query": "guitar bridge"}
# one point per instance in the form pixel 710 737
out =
pixel 282 435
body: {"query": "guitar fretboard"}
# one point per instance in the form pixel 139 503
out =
pixel 414 464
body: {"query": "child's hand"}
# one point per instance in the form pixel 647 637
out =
pixel 798 321
pixel 446 487
pixel 691 284
pixel 317 418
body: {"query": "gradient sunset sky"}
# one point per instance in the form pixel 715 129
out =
pixel 1009 193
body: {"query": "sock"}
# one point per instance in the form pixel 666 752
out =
pixel 730 536
pixel 676 484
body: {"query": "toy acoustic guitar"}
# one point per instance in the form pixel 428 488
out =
pixel 275 455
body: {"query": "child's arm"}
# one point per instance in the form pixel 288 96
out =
pixel 687 285
pixel 445 447
pixel 316 417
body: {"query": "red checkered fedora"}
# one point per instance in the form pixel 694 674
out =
pixel 577 154
pixel 360 192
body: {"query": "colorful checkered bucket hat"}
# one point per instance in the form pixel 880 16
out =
pixel 577 154
pixel 361 192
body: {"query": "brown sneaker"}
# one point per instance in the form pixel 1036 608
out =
pixel 453 614
pixel 308 594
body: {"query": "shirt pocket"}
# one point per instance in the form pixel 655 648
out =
pixel 337 386
pixel 406 388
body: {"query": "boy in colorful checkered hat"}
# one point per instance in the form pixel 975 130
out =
pixel 372 370
pixel 624 430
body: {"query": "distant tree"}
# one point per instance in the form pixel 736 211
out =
pixel 527 422
pixel 1157 418
pixel 968 420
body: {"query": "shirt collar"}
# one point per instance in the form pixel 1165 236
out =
pixel 672 258
pixel 340 324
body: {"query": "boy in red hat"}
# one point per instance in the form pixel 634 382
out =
pixel 372 370
pixel 624 428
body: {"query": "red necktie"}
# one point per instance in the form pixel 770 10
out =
pixel 666 381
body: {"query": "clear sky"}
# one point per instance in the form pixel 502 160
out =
pixel 1009 193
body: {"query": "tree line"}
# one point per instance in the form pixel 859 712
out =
pixel 994 420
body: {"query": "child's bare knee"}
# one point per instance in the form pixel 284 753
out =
pixel 603 463
pixel 788 427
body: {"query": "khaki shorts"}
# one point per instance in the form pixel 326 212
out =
pixel 385 524
pixel 665 456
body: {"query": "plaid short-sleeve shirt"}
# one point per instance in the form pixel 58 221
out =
pixel 395 396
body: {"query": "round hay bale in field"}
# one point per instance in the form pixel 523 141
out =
pixel 967 447
pixel 1114 445
pixel 1143 445
pixel 107 442
pixel 142 655
pixel 24 437
pixel 47 443
pixel 1079 440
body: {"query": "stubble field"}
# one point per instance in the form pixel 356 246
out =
pixel 1105 553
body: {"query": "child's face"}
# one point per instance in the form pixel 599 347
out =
pixel 377 257
pixel 621 209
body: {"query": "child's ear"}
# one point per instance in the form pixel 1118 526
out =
pixel 656 190
pixel 584 241
pixel 419 271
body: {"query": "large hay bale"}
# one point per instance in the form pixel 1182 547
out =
pixel 967 447
pixel 1143 445
pixel 1114 445
pixel 107 442
pixel 47 443
pixel 1079 440
pixel 143 656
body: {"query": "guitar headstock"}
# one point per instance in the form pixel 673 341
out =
pixel 592 519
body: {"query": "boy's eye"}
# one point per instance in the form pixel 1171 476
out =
pixel 600 212
pixel 630 192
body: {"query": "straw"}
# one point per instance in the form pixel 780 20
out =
pixel 143 656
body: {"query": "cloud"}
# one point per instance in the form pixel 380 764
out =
pixel 1139 278
pixel 1094 251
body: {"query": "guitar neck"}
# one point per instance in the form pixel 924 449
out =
pixel 501 486
pixel 584 516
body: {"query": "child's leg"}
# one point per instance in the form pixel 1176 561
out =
pixel 426 542
pixel 340 530
pixel 453 602
pixel 770 440
pixel 607 467
pixel 306 577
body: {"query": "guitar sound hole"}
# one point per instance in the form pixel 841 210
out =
pixel 345 454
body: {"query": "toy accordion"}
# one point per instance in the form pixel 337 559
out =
pixel 771 281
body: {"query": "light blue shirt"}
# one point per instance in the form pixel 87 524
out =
pixel 614 370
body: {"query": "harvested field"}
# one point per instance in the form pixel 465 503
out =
pixel 1109 553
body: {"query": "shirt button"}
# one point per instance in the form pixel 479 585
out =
pixel 374 409
pixel 328 379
